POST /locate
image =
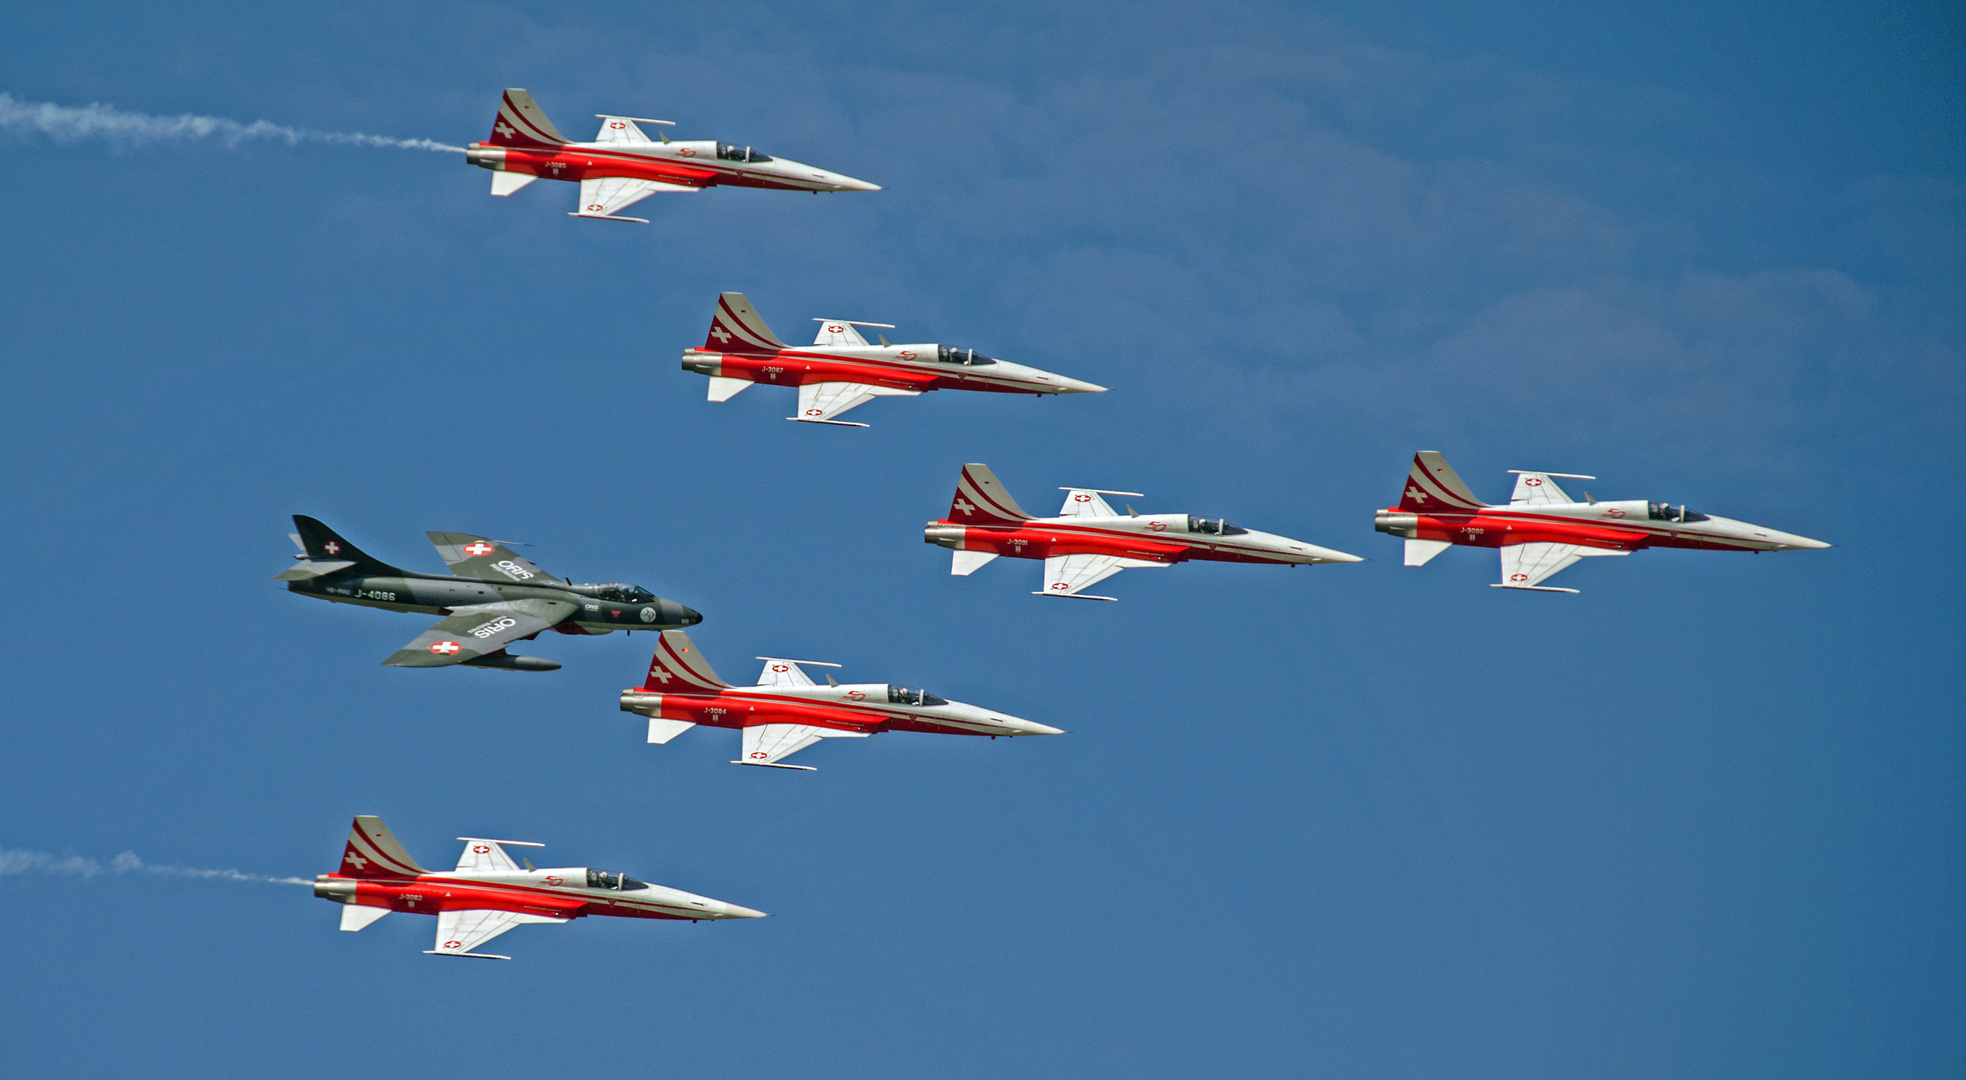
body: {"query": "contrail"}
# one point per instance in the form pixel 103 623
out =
pixel 14 861
pixel 66 124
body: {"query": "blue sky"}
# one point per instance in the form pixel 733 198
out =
pixel 1704 819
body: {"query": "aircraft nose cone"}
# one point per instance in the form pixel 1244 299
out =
pixel 735 911
pixel 1030 727
pixel 679 615
pixel 848 183
pixel 1079 386
pixel 1806 544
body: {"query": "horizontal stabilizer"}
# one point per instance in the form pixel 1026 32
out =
pixel 661 731
pixel 1420 552
pixel 303 571
pixel 968 562
pixel 723 389
pixel 505 183
pixel 355 917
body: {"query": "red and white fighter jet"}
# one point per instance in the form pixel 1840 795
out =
pixel 489 894
pixel 787 712
pixel 1089 541
pixel 841 371
pixel 1542 530
pixel 622 166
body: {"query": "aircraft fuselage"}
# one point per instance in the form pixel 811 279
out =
pixel 440 595
pixel 1161 538
pixel 859 707
pixel 1625 525
pixel 688 164
pixel 545 892
pixel 899 367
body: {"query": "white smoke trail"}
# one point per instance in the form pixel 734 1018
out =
pixel 14 861
pixel 67 123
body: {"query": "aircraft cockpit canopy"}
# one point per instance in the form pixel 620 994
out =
pixel 965 357
pixel 1668 512
pixel 620 592
pixel 1214 526
pixel 608 879
pixel 901 695
pixel 729 152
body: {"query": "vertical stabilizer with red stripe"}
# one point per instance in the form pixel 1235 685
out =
pixel 982 500
pixel 1434 486
pixel 737 327
pixel 679 668
pixel 373 852
pixel 521 122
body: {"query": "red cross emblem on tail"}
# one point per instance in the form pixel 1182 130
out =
pixel 479 548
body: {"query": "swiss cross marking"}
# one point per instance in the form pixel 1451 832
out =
pixel 356 861
pixel 1518 577
pixel 660 675
pixel 1532 481
pixel 453 944
pixel 502 128
pixel 479 548
pixel 1413 492
pixel 331 548
pixel 445 648
pixel 481 849
pixel 722 335
pixel 964 505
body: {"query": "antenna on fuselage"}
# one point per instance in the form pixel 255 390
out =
pixel 830 680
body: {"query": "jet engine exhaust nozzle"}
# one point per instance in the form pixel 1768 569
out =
pixel 948 536
pixel 340 890
pixel 1407 525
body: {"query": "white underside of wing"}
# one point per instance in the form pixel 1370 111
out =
pixel 458 932
pixel 1069 575
pixel 1526 566
pixel 768 744
pixel 609 195
pixel 820 403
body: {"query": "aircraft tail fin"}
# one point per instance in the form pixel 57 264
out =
pixel 521 122
pixel 374 852
pixel 737 327
pixel 679 666
pixel 323 544
pixel 1433 485
pixel 981 499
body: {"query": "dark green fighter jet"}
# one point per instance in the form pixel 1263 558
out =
pixel 493 598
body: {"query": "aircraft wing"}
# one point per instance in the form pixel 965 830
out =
pixel 783 673
pixel 769 744
pixel 819 403
pixel 486 560
pixel 486 856
pixel 1525 566
pixel 458 932
pixel 607 196
pixel 1536 489
pixel 1066 575
pixel 472 631
pixel 1084 502
pixel 622 129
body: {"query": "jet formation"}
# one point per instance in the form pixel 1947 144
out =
pixel 489 894
pixel 623 166
pixel 1543 530
pixel 787 712
pixel 494 597
pixel 840 370
pixel 1089 541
